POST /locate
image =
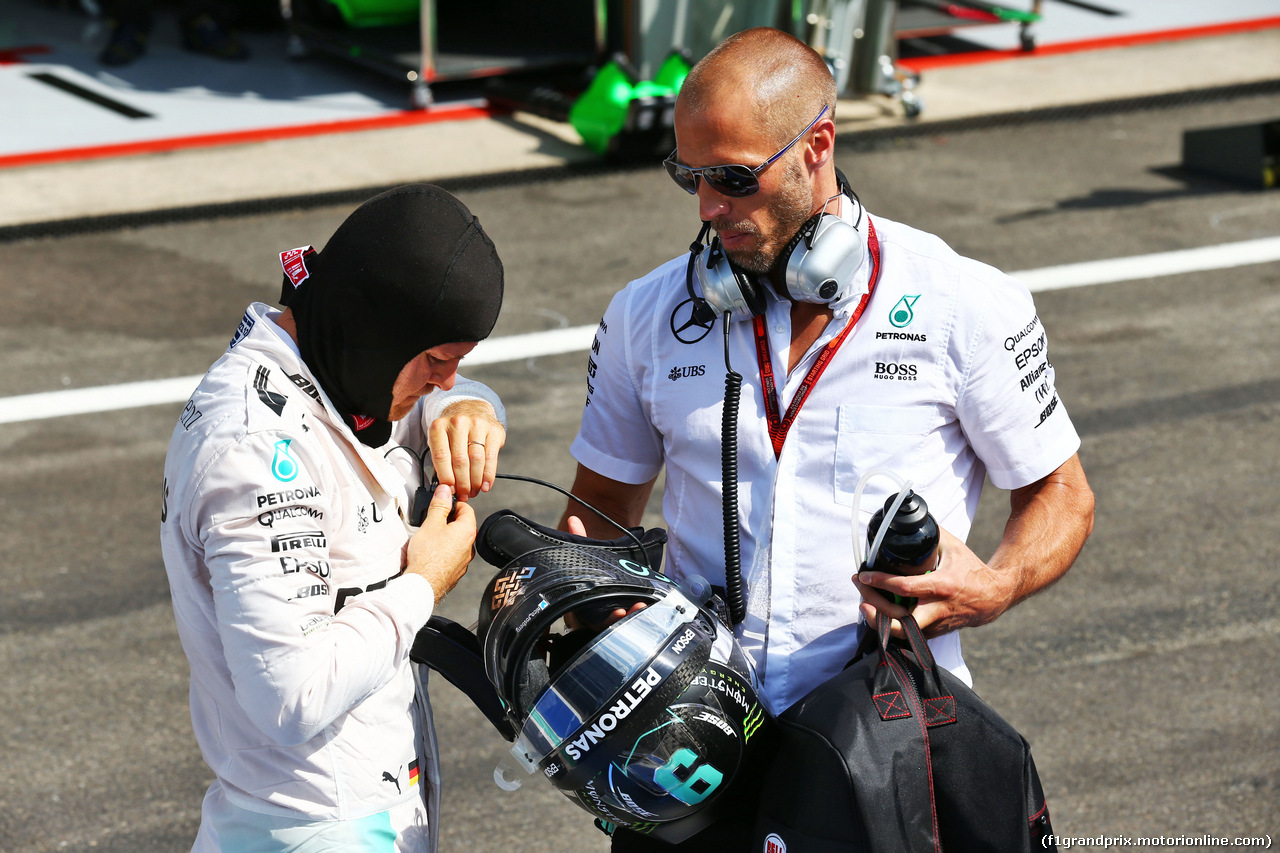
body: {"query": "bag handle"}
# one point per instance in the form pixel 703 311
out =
pixel 939 708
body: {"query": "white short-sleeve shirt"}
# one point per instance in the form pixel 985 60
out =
pixel 944 378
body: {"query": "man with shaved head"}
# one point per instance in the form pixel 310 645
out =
pixel 864 346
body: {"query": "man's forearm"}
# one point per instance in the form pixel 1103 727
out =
pixel 1048 525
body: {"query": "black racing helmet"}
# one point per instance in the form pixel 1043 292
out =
pixel 644 723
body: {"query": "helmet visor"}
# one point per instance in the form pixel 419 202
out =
pixel 613 662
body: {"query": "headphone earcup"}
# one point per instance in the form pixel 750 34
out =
pixel 725 288
pixel 822 259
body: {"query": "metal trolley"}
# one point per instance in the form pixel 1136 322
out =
pixel 425 42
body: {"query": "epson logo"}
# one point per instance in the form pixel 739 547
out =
pixel 683 642
pixel 292 565
pixel 296 541
pixel 608 721
pixel 901 336
pixel 1024 358
pixel 894 370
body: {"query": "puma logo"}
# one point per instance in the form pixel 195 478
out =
pixel 387 777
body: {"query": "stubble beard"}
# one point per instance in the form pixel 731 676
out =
pixel 789 209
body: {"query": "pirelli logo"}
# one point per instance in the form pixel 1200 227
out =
pixel 298 541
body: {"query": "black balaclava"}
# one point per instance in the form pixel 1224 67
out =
pixel 409 270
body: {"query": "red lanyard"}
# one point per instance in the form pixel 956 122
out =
pixel 780 426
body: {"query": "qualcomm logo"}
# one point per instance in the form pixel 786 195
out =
pixel 902 315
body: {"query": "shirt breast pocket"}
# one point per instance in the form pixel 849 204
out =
pixel 888 438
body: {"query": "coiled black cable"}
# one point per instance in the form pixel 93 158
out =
pixel 729 486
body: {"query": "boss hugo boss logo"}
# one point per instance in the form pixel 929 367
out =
pixel 896 370
pixel 691 370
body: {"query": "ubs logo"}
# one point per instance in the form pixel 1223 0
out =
pixel 691 370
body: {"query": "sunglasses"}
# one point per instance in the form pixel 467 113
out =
pixel 734 181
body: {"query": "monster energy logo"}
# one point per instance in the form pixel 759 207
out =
pixel 902 315
pixel 752 723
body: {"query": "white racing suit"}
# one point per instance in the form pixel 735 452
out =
pixel 282 537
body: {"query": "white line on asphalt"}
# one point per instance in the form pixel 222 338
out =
pixel 81 401
pixel 1219 257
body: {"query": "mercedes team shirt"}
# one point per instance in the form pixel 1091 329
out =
pixel 945 378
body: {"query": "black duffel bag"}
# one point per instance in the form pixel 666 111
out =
pixel 895 755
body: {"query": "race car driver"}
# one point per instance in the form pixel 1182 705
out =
pixel 298 571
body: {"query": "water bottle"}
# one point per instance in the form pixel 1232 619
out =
pixel 910 544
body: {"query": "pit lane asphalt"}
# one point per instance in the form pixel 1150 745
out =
pixel 1144 680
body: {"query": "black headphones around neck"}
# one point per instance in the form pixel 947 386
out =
pixel 819 263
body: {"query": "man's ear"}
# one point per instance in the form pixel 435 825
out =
pixel 822 145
